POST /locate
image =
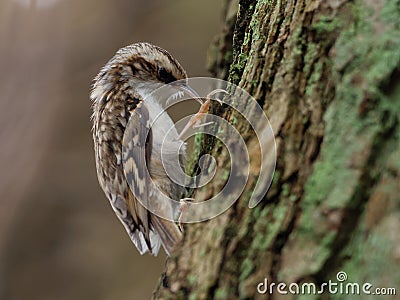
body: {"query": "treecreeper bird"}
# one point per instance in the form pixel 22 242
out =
pixel 121 87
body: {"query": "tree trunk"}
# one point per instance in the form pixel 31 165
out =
pixel 326 73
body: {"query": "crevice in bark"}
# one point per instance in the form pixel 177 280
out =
pixel 280 242
pixel 308 64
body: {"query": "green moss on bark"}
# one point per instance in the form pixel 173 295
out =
pixel 327 74
pixel 361 130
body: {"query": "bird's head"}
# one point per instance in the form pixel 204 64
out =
pixel 135 68
pixel 149 63
pixel 129 78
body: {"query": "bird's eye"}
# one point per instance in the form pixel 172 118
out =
pixel 165 76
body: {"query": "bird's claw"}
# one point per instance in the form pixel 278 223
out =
pixel 193 122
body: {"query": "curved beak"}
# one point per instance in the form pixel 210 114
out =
pixel 189 91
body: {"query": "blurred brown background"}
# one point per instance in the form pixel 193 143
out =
pixel 59 238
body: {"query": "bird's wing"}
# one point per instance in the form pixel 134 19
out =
pixel 136 152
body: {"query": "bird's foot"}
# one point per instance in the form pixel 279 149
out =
pixel 194 120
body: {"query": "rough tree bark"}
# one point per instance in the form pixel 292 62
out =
pixel 326 73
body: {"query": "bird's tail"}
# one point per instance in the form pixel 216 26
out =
pixel 168 233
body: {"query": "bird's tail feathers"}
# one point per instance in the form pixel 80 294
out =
pixel 167 232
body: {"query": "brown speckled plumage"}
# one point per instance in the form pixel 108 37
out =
pixel 119 90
